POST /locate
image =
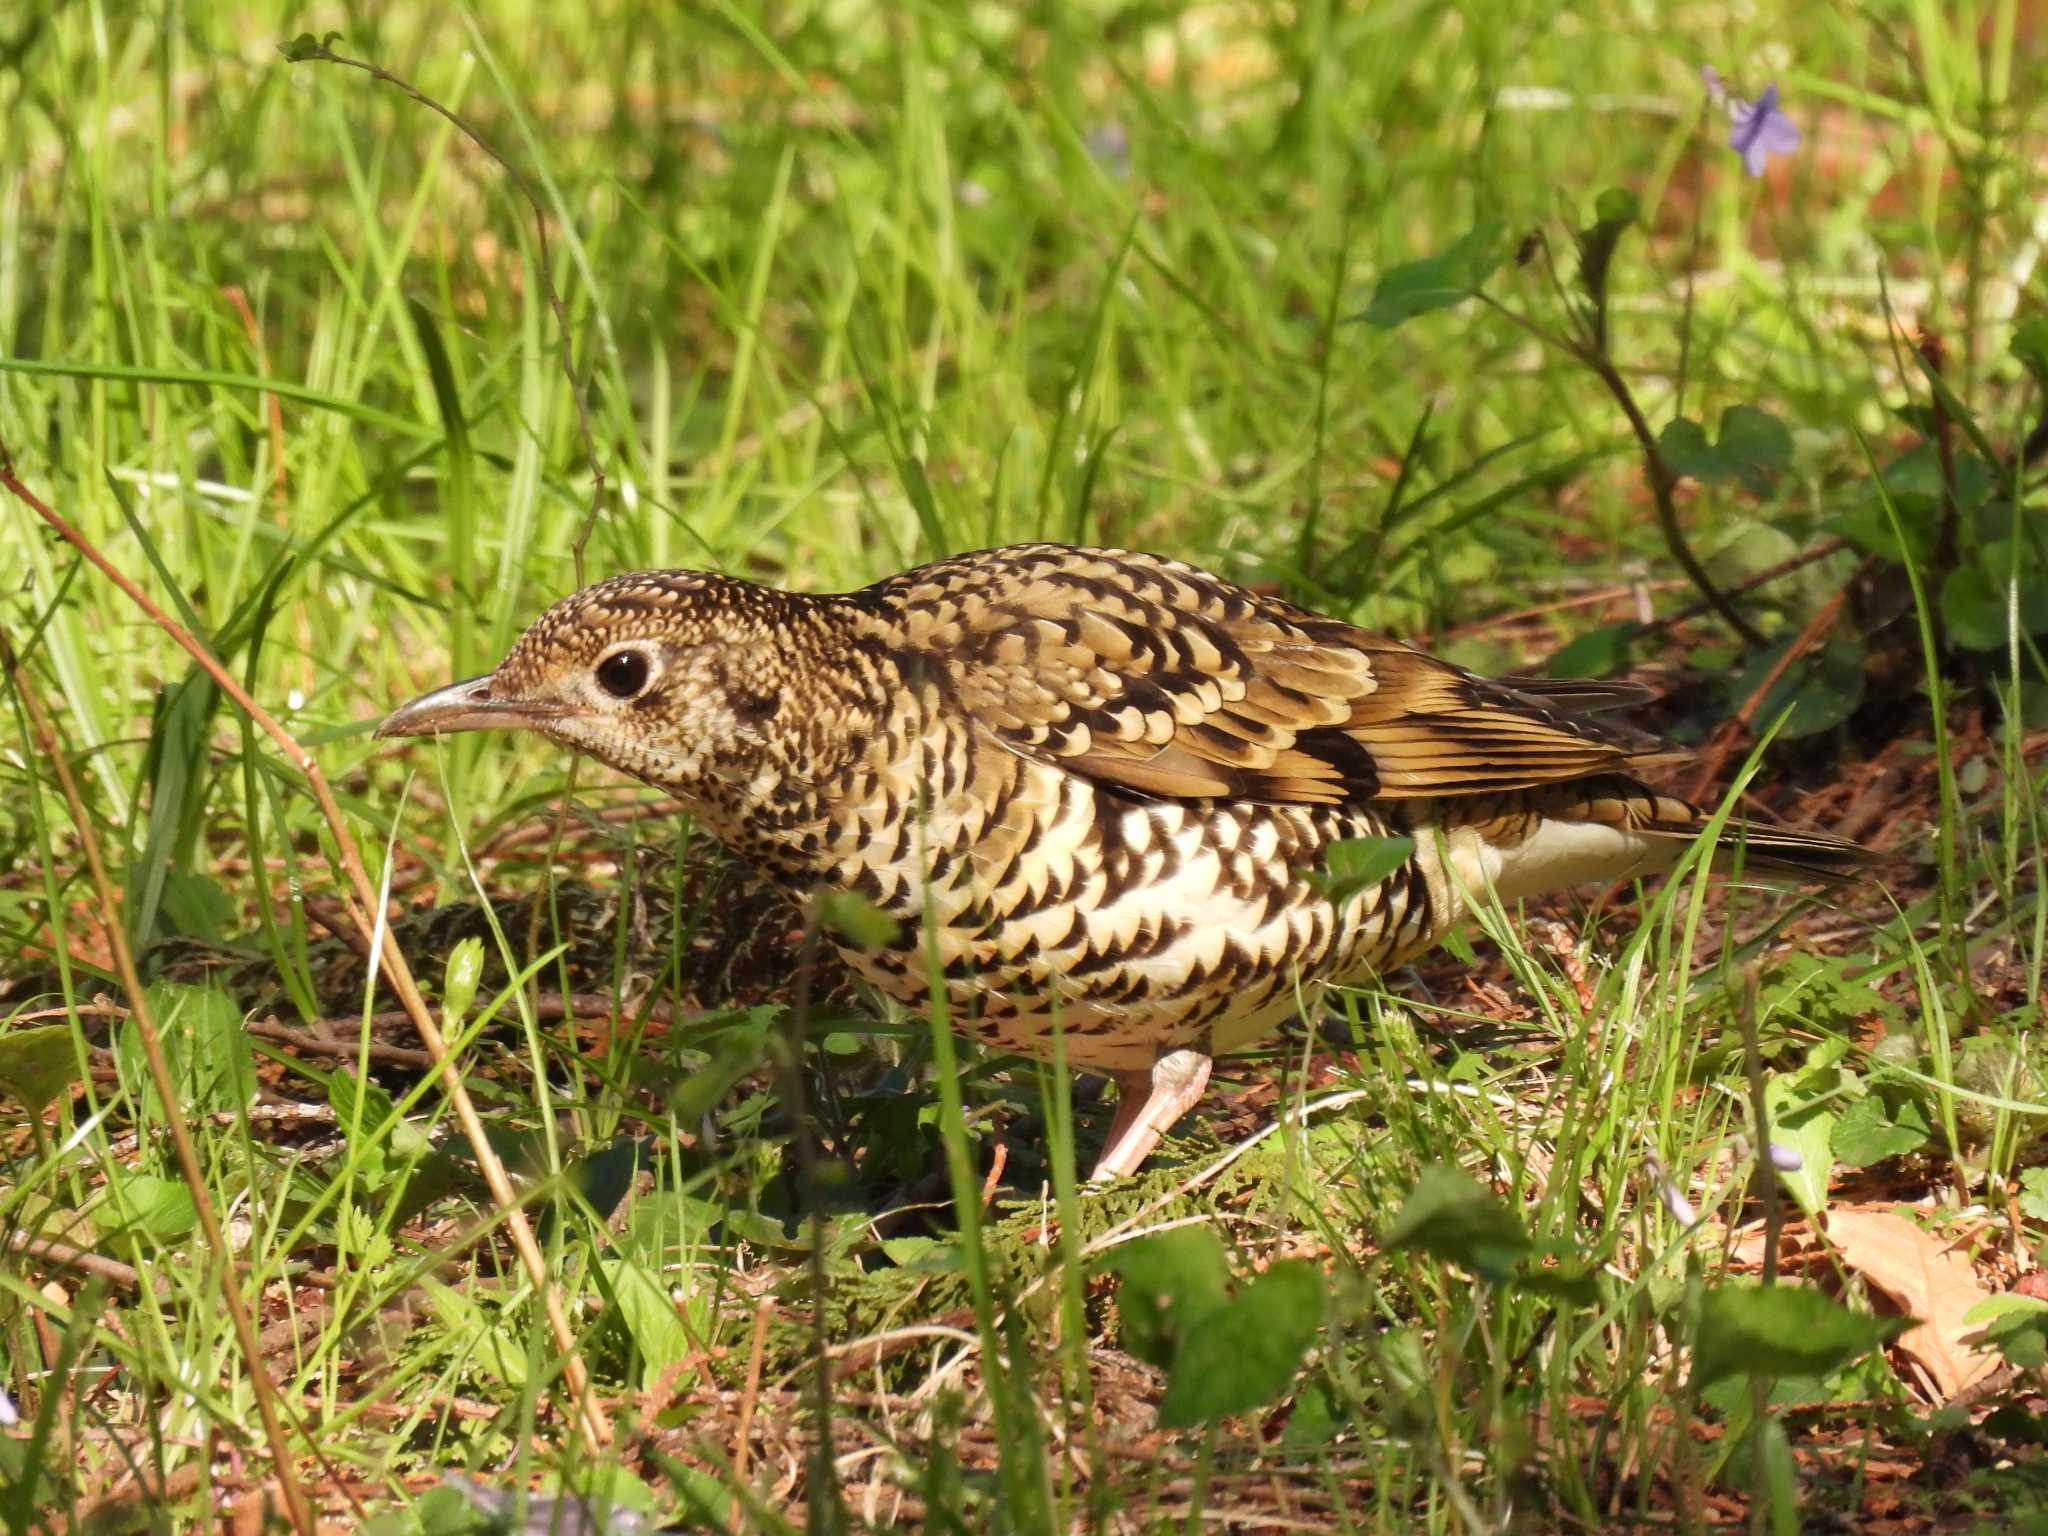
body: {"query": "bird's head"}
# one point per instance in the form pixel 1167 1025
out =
pixel 682 678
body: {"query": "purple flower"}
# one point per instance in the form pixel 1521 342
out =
pixel 1681 1209
pixel 1783 1158
pixel 1761 131
pixel 1111 147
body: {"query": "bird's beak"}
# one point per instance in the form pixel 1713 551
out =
pixel 461 707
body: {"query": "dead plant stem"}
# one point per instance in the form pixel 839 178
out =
pixel 595 1429
pixel 268 1408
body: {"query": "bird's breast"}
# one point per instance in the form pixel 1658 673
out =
pixel 1132 925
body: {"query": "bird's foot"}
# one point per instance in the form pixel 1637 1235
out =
pixel 1148 1102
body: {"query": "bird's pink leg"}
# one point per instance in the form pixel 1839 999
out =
pixel 1148 1101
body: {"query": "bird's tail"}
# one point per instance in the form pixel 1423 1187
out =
pixel 1616 828
pixel 1760 849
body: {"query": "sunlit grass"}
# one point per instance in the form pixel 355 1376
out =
pixel 844 292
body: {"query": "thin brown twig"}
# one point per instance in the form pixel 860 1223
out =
pixel 311 1043
pixel 326 1037
pixel 1657 469
pixel 742 1436
pixel 70 1256
pixel 542 830
pixel 268 1405
pixel 595 1428
pixel 1591 599
pixel 54 1250
pixel 994 1181
pixel 1715 757
pixel 1817 626
pixel 1663 487
pixel 1748 584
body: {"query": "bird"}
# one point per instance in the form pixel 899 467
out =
pixel 1102 793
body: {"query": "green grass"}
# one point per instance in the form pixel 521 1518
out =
pixel 846 290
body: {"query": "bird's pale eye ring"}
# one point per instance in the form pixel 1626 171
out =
pixel 624 673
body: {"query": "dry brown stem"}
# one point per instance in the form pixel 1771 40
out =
pixel 268 1406
pixel 362 900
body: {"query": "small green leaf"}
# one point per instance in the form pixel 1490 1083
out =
pixel 1821 689
pixel 1754 445
pixel 478 1335
pixel 1913 482
pixel 1355 864
pixel 1597 653
pixel 2007 1310
pixel 1818 992
pixel 1973 608
pixel 2030 345
pixel 923 1255
pixel 1613 212
pixel 650 1316
pixel 1977 598
pixel 377 1151
pixel 1781 1330
pixel 161 1208
pixel 1171 1280
pixel 699 1093
pixel 196 906
pixel 856 920
pixel 465 971
pixel 2007 564
pixel 2017 1326
pixel 1686 450
pixel 1617 205
pixel 1436 282
pixel 1868 1131
pixel 1315 1418
pixel 1917 487
pixel 1243 1355
pixel 1781 1476
pixel 1449 1216
pixel 204 1044
pixel 2024 1347
pixel 1807 1128
pixel 36 1065
pixel 2034 1193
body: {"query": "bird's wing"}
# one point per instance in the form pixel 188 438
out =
pixel 1160 679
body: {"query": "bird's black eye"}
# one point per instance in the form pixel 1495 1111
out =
pixel 623 673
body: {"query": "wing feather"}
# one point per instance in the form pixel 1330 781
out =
pixel 1159 679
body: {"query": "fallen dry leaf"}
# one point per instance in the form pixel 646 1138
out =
pixel 1926 1278
pixel 1746 1245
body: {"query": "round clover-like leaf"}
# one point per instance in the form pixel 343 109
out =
pixel 1781 1330
pixel 1244 1354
